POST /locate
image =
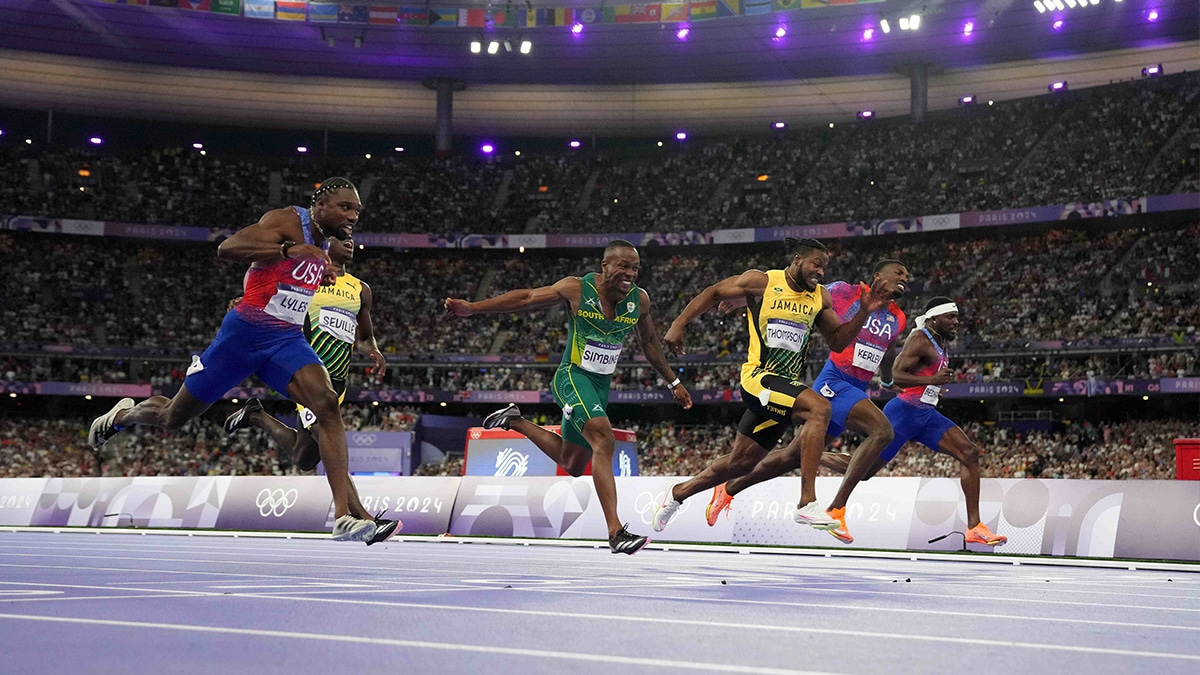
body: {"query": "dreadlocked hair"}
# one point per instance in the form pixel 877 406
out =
pixel 802 247
pixel 329 185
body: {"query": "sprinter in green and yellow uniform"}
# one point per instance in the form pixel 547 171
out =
pixel 783 308
pixel 603 308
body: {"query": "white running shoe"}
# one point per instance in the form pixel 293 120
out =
pixel 814 515
pixel 349 528
pixel 502 418
pixel 664 511
pixel 102 427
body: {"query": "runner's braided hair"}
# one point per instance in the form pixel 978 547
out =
pixel 802 247
pixel 329 185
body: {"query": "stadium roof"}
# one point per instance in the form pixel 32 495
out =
pixel 45 41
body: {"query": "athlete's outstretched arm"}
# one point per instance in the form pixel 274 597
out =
pixel 365 335
pixel 647 336
pixel 750 282
pixel 840 335
pixel 263 241
pixel 519 300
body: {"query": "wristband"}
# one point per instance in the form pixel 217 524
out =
pixel 672 385
pixel 283 248
pixel 888 383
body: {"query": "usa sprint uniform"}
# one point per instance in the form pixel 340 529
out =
pixel 264 333
pixel 914 414
pixel 846 375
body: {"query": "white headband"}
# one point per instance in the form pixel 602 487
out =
pixel 939 310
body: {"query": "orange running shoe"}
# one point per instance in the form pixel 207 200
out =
pixel 842 534
pixel 721 500
pixel 980 534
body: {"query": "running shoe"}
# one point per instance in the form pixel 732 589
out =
pixel 241 418
pixel 626 542
pixel 384 529
pixel 349 528
pixel 664 511
pixel 502 418
pixel 721 501
pixel 840 532
pixel 980 534
pixel 814 515
pixel 104 427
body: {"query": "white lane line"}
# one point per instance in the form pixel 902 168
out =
pixel 755 627
pixel 420 644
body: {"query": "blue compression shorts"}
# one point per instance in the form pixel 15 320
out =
pixel 843 393
pixel 923 424
pixel 242 348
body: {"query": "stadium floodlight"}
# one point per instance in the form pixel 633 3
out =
pixel 398 149
pixel 1152 16
pixel 526 46
pixel 968 28
pixel 681 136
pixel 576 28
pixel 96 140
pixel 1152 71
pixel 914 22
pixel 508 46
pixel 682 33
pixel 574 144
pixel 1057 25
pixel 301 149
pixel 865 114
pixel 493 48
pixel 1058 86
pixel 967 100
pixel 868 34
pixel 487 148
pixel 885 26
pixel 1070 3
pixel 200 146
pixel 476 46
pixel 1039 6
pixel 780 32
pixel 780 125
pixel 904 23
pixel 1058 4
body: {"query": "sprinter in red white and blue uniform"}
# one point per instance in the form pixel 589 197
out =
pixel 843 382
pixel 920 371
pixel 263 335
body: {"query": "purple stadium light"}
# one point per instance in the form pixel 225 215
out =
pixel 780 32
pixel 1058 25
pixel 576 28
pixel 574 144
pixel 865 114
pixel 198 146
pixel 1152 16
pixel 1 132
pixel 301 148
pixel 968 28
pixel 1058 86
pixel 682 33
pixel 780 125
pixel 1148 71
pixel 967 100
pixel 681 136
pixel 398 149
pixel 96 140
pixel 487 148
pixel 868 34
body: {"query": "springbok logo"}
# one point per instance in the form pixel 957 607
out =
pixel 511 463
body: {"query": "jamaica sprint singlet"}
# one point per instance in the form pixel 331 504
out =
pixel 594 341
pixel 780 327
pixel 332 324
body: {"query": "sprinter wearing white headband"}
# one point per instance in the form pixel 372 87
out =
pixel 919 371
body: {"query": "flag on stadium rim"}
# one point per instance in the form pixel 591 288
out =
pixel 589 15
pixel 164 3
pixel 727 8
pixel 226 6
pixel 674 12
pixel 618 14
pixel 384 14
pixel 413 16
pixel 503 19
pixel 322 12
pixel 258 9
pixel 197 5
pixel 291 10
pixel 443 16
pixel 755 7
pixel 352 13
pixel 704 10
pixel 475 18
pixel 644 13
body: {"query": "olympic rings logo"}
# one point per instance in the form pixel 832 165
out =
pixel 363 439
pixel 646 502
pixel 275 502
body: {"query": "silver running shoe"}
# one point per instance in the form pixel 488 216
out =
pixel 102 427
pixel 664 512
pixel 349 528
pixel 814 515
pixel 502 418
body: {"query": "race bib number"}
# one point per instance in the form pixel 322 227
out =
pixel 289 304
pixel 784 334
pixel 600 358
pixel 931 395
pixel 868 357
pixel 342 324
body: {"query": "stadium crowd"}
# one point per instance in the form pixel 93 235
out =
pixel 1120 141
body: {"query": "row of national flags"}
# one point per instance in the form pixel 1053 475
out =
pixel 317 11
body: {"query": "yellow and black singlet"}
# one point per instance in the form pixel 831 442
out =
pixel 332 323
pixel 780 324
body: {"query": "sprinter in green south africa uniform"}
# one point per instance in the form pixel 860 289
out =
pixel 604 308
